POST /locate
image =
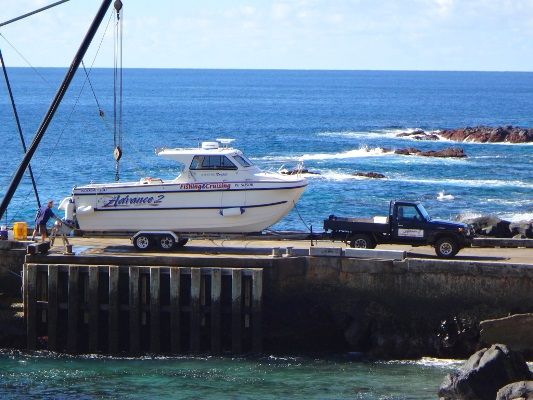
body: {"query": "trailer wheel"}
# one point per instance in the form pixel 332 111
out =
pixel 166 242
pixel 142 242
pixel 362 241
pixel 446 247
pixel 182 242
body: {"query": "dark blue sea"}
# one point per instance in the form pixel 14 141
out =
pixel 337 122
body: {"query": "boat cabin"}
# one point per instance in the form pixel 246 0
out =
pixel 209 157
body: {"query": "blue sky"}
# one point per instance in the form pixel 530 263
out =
pixel 487 35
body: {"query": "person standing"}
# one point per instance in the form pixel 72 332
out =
pixel 41 219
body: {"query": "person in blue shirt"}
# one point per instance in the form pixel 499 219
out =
pixel 41 219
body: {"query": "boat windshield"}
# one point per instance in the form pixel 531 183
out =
pixel 211 162
pixel 423 212
pixel 245 162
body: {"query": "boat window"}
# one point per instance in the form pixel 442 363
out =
pixel 242 160
pixel 212 162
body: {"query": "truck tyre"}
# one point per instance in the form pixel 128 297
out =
pixel 142 242
pixel 166 242
pixel 362 241
pixel 446 247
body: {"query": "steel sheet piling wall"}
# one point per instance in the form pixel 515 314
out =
pixel 106 309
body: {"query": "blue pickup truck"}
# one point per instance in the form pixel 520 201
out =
pixel 407 223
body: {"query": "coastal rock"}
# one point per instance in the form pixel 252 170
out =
pixel 298 171
pixel 514 330
pixel 487 134
pixel 419 134
pixel 522 390
pixel 448 152
pixel 484 373
pixel 374 175
pixel 522 230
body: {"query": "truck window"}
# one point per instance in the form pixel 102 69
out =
pixel 408 213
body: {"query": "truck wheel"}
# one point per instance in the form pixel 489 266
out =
pixel 446 247
pixel 142 242
pixel 166 242
pixel 362 242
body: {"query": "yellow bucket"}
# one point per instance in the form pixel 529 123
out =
pixel 20 231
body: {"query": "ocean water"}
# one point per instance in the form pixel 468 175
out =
pixel 48 376
pixel 337 122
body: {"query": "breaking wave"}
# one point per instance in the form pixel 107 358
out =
pixel 379 133
pixel 469 182
pixel 363 151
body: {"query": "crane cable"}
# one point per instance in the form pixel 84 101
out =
pixel 117 90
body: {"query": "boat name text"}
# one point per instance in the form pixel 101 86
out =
pixel 127 200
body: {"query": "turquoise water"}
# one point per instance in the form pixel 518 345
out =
pixel 47 376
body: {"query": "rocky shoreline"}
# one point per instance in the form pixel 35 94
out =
pixel 478 134
pixel 492 226
pixel 491 373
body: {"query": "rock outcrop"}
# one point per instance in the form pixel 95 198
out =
pixel 298 171
pixel 484 373
pixel 374 175
pixel 492 226
pixel 481 134
pixel 448 152
pixel 487 134
pixel 514 330
pixel 522 390
pixel 419 134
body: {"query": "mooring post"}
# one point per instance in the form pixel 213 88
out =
pixel 216 287
pixel 155 322
pixel 134 314
pixel 93 309
pixel 52 308
pixel 113 309
pixel 73 309
pixel 195 309
pixel 236 311
pixel 30 276
pixel 175 337
pixel 257 299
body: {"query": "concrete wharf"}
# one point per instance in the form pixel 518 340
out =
pixel 235 297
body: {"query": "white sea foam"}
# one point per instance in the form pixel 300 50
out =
pixel 355 153
pixel 517 217
pixel 380 133
pixel 430 362
pixel 442 196
pixel 469 182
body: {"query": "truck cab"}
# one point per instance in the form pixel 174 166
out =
pixel 408 223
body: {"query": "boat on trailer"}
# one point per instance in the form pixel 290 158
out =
pixel 219 190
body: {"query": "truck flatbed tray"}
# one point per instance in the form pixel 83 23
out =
pixel 354 225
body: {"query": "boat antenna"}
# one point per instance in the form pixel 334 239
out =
pixel 15 113
pixel 117 89
pixel 10 191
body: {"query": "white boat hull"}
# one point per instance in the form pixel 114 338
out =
pixel 227 207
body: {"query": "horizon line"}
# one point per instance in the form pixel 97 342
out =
pixel 290 69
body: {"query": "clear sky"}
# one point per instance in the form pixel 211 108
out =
pixel 486 35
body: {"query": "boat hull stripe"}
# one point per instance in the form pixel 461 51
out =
pixel 188 208
pixel 185 191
